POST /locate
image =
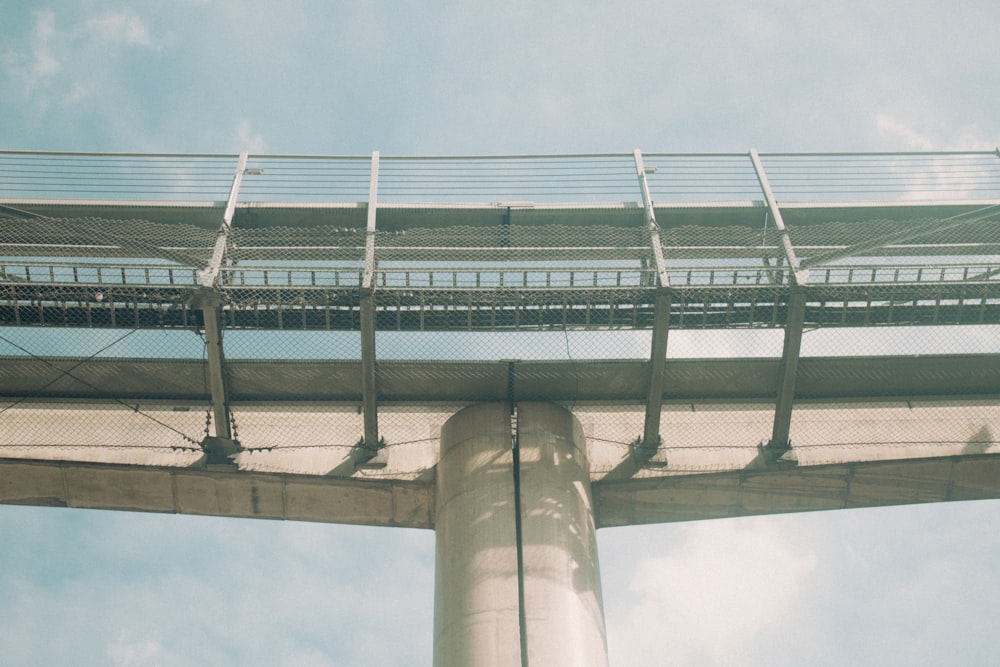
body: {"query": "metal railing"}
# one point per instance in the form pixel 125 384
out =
pixel 586 178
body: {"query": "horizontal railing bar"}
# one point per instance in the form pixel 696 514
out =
pixel 531 156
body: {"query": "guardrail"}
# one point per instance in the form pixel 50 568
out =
pixel 587 178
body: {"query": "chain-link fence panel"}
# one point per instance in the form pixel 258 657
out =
pixel 882 430
pixel 110 432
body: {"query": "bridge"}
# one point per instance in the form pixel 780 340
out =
pixel 511 350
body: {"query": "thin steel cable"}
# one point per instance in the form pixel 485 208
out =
pixel 68 373
pixel 62 372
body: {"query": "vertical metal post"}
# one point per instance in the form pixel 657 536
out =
pixel 657 368
pixel 650 441
pixel 369 390
pixel 780 443
pixel 794 321
pixel 220 447
pixel 216 363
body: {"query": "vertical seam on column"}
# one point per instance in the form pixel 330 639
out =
pixel 522 621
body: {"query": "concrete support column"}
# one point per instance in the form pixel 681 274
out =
pixel 562 584
pixel 475 584
pixel 501 601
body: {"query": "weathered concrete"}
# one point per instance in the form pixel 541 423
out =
pixel 481 617
pixel 562 589
pixel 216 493
pixel 476 589
pixel 801 489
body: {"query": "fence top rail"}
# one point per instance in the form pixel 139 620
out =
pixel 310 156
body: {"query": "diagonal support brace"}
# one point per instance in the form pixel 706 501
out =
pixel 799 275
pixel 220 448
pixel 210 274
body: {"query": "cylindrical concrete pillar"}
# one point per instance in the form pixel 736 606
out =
pixel 475 586
pixel 481 618
pixel 562 586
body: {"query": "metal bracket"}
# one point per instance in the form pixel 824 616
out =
pixel 370 458
pixel 203 298
pixel 220 451
pixel 770 455
pixel 646 455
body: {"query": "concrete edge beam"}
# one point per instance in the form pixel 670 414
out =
pixel 217 493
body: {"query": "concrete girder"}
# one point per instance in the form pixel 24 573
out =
pixel 390 502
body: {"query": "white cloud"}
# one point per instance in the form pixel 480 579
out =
pixel 41 61
pixel 725 585
pixel 933 135
pixel 126 652
pixel 77 58
pixel 247 139
pixel 892 128
pixel 119 27
pixel 44 61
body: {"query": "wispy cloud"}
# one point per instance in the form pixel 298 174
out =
pixel 893 128
pixel 62 55
pixel 39 60
pixel 119 27
pixel 931 130
pixel 710 599
pixel 43 61
pixel 248 139
pixel 126 651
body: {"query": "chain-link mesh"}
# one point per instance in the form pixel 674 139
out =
pixel 136 434
pixel 497 279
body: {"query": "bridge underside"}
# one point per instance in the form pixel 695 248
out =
pixel 737 334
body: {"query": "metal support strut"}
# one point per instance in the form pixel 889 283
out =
pixel 221 447
pixel 779 447
pixel 646 449
pixel 369 452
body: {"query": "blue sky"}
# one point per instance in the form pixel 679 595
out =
pixel 521 77
pixel 896 586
